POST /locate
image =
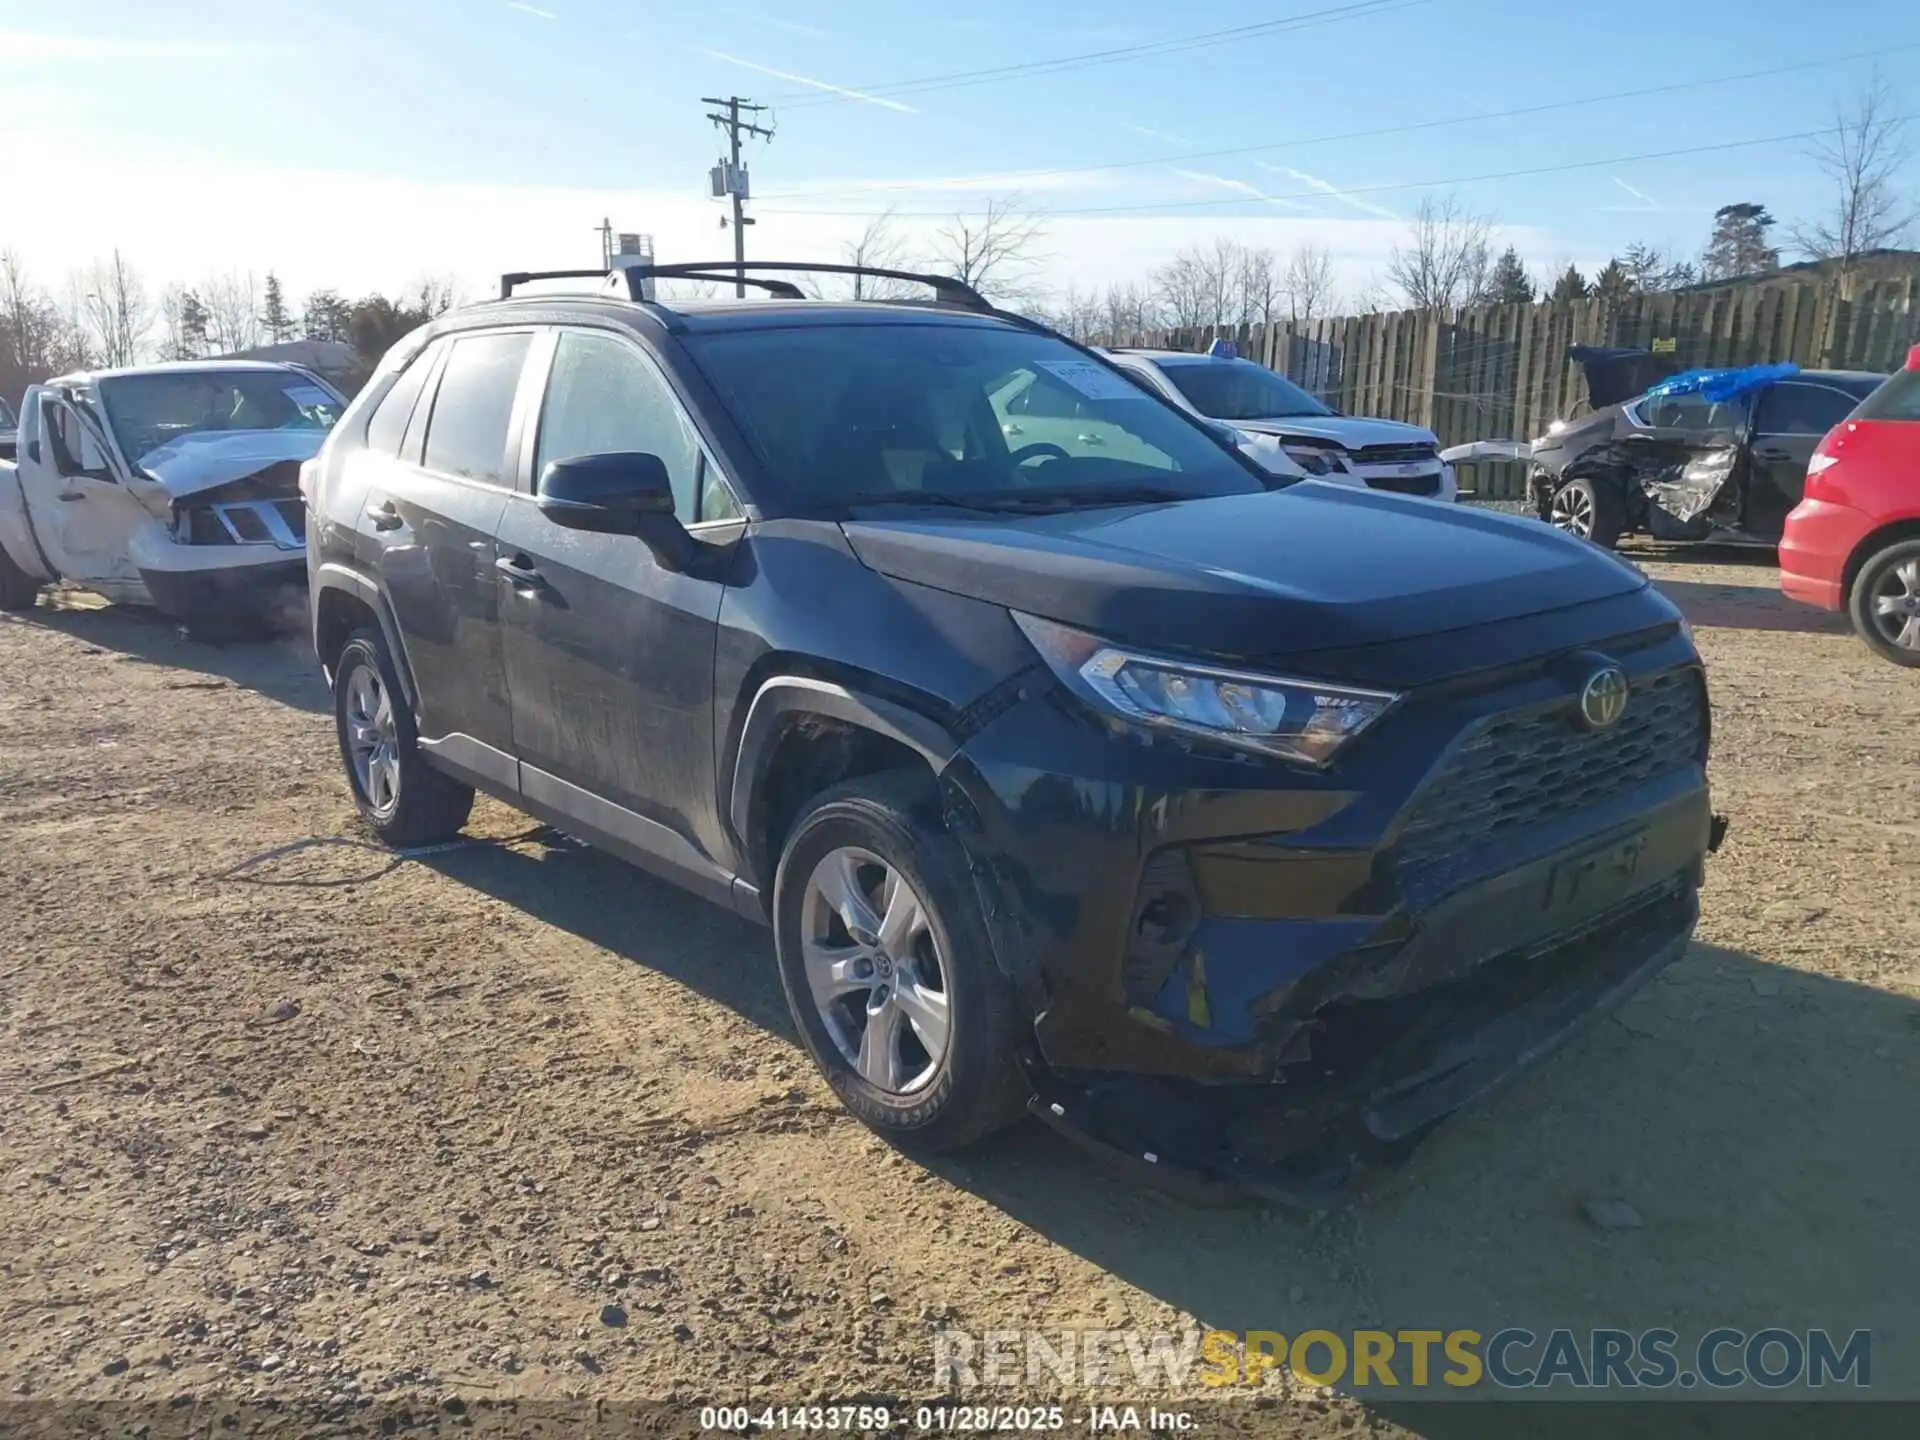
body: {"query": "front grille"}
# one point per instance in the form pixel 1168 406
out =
pixel 1406 484
pixel 1395 454
pixel 1533 767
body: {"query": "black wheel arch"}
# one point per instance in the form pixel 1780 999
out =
pixel 850 728
pixel 345 601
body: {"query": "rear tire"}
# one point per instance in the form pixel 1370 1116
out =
pixel 404 800
pixel 18 590
pixel 944 1072
pixel 1885 603
pixel 1591 509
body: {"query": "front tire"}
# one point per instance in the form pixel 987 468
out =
pixel 1591 509
pixel 404 800
pixel 1885 604
pixel 18 590
pixel 888 971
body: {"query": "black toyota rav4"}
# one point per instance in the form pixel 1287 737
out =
pixel 1240 832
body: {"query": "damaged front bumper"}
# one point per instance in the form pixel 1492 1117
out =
pixel 202 585
pixel 1250 979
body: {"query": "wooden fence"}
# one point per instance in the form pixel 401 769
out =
pixel 1502 371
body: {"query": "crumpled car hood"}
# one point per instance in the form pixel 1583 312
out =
pixel 204 460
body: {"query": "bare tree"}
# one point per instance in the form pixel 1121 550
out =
pixel 1183 293
pixel 116 310
pixel 878 247
pixel 1077 315
pixel 1861 157
pixel 1263 286
pixel 1447 257
pixel 996 252
pixel 1308 284
pixel 233 312
pixel 1128 312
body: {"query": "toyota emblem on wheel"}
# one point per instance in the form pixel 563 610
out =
pixel 1604 700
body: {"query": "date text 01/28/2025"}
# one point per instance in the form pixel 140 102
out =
pixel 947 1419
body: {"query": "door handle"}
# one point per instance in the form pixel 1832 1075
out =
pixel 385 517
pixel 72 495
pixel 1090 440
pixel 520 571
pixel 1011 429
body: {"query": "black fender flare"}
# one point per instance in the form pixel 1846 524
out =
pixel 782 696
pixel 331 575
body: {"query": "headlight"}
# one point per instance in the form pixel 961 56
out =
pixel 1314 459
pixel 1299 720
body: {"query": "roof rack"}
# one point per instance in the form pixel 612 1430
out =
pixel 946 289
pixel 510 282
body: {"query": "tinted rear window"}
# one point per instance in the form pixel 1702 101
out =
pixel 1239 390
pixel 1897 399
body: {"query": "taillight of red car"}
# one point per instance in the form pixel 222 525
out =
pixel 1823 480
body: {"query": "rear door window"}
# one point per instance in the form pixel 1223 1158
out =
pixel 473 408
pixel 1790 408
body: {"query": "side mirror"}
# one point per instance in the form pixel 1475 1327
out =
pixel 626 493
pixel 33 451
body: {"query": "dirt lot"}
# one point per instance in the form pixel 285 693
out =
pixel 284 1115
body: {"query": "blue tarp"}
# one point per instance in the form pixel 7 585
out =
pixel 1720 386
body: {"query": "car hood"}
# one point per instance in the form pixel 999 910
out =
pixel 1310 568
pixel 204 459
pixel 1344 429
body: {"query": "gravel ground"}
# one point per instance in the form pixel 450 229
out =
pixel 286 1116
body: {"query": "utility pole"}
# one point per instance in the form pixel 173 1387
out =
pixel 605 227
pixel 735 178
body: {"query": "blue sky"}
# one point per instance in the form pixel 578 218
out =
pixel 362 144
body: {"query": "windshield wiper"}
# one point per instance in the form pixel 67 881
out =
pixel 918 497
pixel 1065 497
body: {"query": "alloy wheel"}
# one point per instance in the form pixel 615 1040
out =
pixel 875 970
pixel 1895 607
pixel 373 738
pixel 1572 511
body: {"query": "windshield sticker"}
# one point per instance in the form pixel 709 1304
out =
pixel 1092 380
pixel 309 395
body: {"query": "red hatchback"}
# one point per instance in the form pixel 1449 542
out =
pixel 1853 543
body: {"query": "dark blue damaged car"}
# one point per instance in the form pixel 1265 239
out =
pixel 1240 832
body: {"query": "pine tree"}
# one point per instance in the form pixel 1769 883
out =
pixel 193 327
pixel 1614 282
pixel 274 318
pixel 1509 284
pixel 1570 286
pixel 326 316
pixel 1739 243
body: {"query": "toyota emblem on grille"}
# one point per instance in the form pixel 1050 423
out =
pixel 1604 699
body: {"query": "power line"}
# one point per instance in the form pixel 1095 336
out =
pixel 958 79
pixel 1361 189
pixel 735 177
pixel 1515 112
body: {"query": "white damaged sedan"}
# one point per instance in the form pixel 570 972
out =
pixel 175 486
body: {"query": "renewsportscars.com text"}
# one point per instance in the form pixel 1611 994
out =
pixel 1512 1359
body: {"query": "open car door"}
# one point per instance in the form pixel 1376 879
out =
pixel 83 514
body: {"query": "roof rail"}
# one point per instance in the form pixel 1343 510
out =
pixel 946 289
pixel 509 283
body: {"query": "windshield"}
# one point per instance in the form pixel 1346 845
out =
pixel 147 412
pixel 1239 390
pixel 975 413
